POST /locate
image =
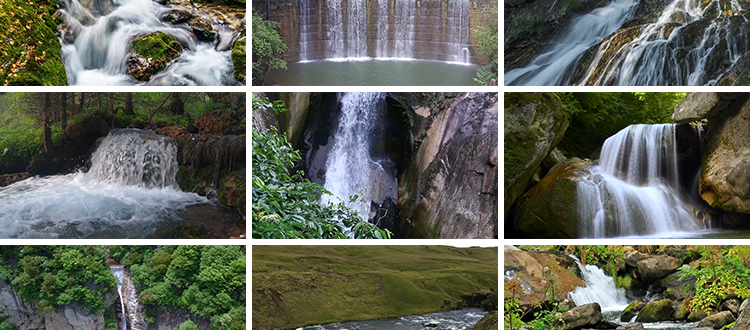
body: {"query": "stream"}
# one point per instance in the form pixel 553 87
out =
pixel 463 319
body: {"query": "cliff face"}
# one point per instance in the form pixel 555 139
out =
pixel 435 23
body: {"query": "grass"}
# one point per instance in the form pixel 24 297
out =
pixel 295 286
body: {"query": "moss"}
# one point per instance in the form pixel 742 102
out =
pixel 29 50
pixel 656 311
pixel 157 46
pixel 239 56
pixel 232 3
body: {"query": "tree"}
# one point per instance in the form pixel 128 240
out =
pixel 47 122
pixel 268 48
pixel 487 39
pixel 129 103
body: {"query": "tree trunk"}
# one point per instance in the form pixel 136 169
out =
pixel 64 118
pixel 47 126
pixel 129 103
pixel 81 99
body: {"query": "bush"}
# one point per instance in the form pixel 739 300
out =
pixel 721 271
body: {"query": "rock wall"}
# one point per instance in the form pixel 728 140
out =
pixel 432 27
pixel 449 189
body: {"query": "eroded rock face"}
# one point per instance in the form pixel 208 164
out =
pixel 550 209
pixel 725 174
pixel 697 106
pixel 450 190
pixel 534 125
pixel 74 317
pixel 530 269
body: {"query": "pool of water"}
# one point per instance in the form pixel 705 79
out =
pixel 705 233
pixel 374 72
pixel 462 319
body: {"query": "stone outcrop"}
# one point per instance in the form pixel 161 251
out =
pixel 656 311
pixel 488 322
pixel 550 209
pixel 532 269
pixel 450 188
pixel 584 316
pixel 239 56
pixel 697 106
pixel 743 320
pixel 631 311
pixel 718 320
pixel 654 268
pixel 534 125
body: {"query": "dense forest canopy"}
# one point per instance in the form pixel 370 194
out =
pixel 596 116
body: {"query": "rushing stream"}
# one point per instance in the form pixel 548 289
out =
pixel 463 319
pixel 131 310
pixel 96 44
pixel 130 191
pixel 633 192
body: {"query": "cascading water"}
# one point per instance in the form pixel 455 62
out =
pixel 404 28
pixel 600 288
pixel 96 45
pixel 459 12
pixel 634 189
pixel 129 190
pixel 118 272
pixel 350 168
pixel 304 28
pixel 555 66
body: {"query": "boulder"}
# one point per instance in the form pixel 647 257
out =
pixel 631 326
pixel 656 311
pixel 683 311
pixel 293 120
pixel 531 270
pixel 583 316
pixel 718 320
pixel 697 106
pixel 696 316
pixel 488 322
pixel 151 53
pixel 553 158
pixel 655 268
pixel 631 311
pixel 732 305
pixel 176 16
pixel 8 179
pixel 633 256
pixel 534 125
pixel 743 320
pixel 725 174
pixel 239 56
pixel 550 209
pixel 202 29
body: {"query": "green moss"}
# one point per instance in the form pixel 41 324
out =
pixel 157 46
pixel 29 50
pixel 239 56
pixel 232 3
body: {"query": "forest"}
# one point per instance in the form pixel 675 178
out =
pixel 341 165
pixel 193 142
pixel 172 287
pixel 288 49
pixel 639 286
pixel 656 165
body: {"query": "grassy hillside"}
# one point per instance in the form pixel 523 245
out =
pixel 295 286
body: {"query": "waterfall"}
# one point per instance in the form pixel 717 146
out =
pixel 129 190
pixel 600 288
pixel 634 189
pixel 382 32
pixel 334 30
pixel 95 52
pixel 350 167
pixel 118 271
pixel 356 29
pixel 555 66
pixel 131 157
pixel 304 28
pixel 458 12
pixel 404 28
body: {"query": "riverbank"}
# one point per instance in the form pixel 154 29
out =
pixel 295 286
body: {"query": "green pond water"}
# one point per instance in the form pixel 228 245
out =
pixel 372 72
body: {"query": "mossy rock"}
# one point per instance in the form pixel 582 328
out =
pixel 630 311
pixel 151 53
pixel 656 311
pixel 29 50
pixel 488 322
pixel 239 58
pixel 233 191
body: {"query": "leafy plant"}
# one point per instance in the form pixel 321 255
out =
pixel 719 272
pixel 268 48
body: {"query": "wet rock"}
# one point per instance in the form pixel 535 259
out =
pixel 151 53
pixel 233 191
pixel 176 16
pixel 553 158
pixel 697 106
pixel 550 209
pixel 534 125
pixel 683 311
pixel 239 56
pixel 202 29
pixel 631 311
pixel 657 267
pixel 582 316
pixel 631 326
pixel 718 320
pixel 725 175
pixel 293 120
pixel 386 215
pixel 656 311
pixel 8 179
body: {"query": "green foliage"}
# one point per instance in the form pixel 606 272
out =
pixel 51 276
pixel 512 316
pixel 268 49
pixel 4 325
pixel 187 325
pixel 239 56
pixel 157 46
pixel 571 5
pixel 596 116
pixel 523 25
pixel 722 270
pixel 488 43
pixel 609 257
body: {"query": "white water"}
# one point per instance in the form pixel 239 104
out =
pixel 304 28
pixel 600 288
pixel 458 11
pixel 633 190
pixel 349 167
pixel 98 54
pixel 554 67
pixel 128 192
pixel 118 271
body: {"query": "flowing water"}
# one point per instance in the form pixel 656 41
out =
pixel 600 288
pixel 463 319
pixel 132 311
pixel 350 169
pixel 96 44
pixel 118 271
pixel 690 43
pixel 633 192
pixel 129 192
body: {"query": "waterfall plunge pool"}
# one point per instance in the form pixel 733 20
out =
pixel 462 319
pixel 369 71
